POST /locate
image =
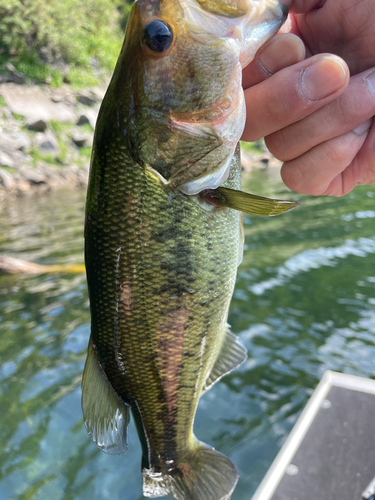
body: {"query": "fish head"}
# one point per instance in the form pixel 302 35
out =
pixel 182 62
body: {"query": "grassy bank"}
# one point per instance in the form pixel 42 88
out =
pixel 50 41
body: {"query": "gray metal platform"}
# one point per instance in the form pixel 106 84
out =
pixel 330 453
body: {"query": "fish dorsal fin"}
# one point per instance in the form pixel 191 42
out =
pixel 231 355
pixel 247 202
pixel 105 415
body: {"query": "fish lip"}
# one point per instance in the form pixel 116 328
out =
pixel 284 8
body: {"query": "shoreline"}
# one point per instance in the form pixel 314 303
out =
pixel 46 136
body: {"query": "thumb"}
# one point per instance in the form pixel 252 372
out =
pixel 293 93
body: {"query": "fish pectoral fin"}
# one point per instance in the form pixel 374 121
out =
pixel 248 203
pixel 105 415
pixel 232 354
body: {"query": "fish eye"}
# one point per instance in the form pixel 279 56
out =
pixel 158 35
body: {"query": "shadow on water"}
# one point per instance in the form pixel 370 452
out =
pixel 304 303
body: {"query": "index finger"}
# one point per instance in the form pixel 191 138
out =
pixel 293 93
pixel 280 52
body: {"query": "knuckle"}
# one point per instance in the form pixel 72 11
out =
pixel 277 144
pixel 293 177
pixel 336 152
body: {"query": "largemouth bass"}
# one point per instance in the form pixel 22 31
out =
pixel 161 245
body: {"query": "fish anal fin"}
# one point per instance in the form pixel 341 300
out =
pixel 105 415
pixel 232 355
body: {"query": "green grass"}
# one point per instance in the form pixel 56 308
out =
pixel 85 152
pixel 59 127
pixel 37 157
pixel 38 37
pixel 80 78
pixel 18 117
pixel 253 147
pixel 86 128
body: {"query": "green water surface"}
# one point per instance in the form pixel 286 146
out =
pixel 304 303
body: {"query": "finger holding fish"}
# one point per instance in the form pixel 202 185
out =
pixel 323 152
pixel 292 94
pixel 333 167
pixel 280 52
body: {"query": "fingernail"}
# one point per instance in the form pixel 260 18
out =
pixel 370 79
pixel 283 51
pixel 363 127
pixel 322 78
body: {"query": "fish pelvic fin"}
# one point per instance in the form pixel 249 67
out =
pixel 231 355
pixel 205 474
pixel 105 415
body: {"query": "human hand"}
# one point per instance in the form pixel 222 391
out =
pixel 332 150
pixel 321 152
pixel 342 27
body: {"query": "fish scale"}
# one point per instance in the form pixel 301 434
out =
pixel 162 251
pixel 130 328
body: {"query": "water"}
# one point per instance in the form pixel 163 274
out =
pixel 304 303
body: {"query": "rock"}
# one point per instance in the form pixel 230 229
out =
pixel 32 175
pixel 10 265
pixel 88 117
pixel 22 186
pixel 56 97
pixel 69 176
pixel 9 66
pixel 5 78
pixel 86 167
pixel 37 126
pixel 99 92
pixel 33 103
pixel 7 114
pixel 47 143
pixel 82 177
pixel 83 120
pixel 6 160
pixel 80 139
pixel 48 147
pixel 86 99
pixel 6 179
pixel 13 141
pixel 17 76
